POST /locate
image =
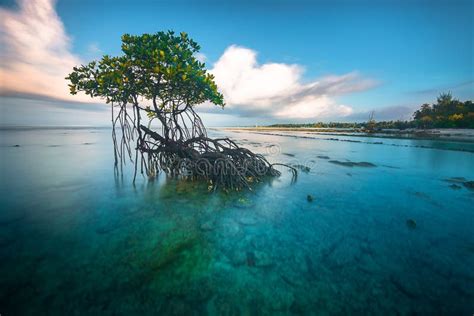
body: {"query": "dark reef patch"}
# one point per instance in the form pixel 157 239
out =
pixel 411 223
pixel 352 163
pixel 302 168
pixel 456 183
pixel 454 186
pixel 469 185
pixel 456 179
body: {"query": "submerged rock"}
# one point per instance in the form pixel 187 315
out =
pixel 258 259
pixel 342 163
pixel 456 179
pixel 402 288
pixel 244 203
pixel 411 223
pixel 293 278
pixel 469 185
pixel 352 164
pixel 171 246
pixel 176 306
pixel 238 258
pixel 255 144
pixel 201 290
pixel 301 305
pixel 222 305
pixel 302 168
pixel 313 275
pixel 282 300
pixel 209 225
pixel 263 259
pixel 230 228
pixel 421 195
pixel 363 164
pixel 248 220
pixel 250 259
pixel 106 229
pixel 454 186
pixel 470 247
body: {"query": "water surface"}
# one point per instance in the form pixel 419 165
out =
pixel 392 238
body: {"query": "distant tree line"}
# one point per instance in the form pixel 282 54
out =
pixel 447 112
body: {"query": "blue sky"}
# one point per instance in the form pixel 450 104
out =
pixel 349 57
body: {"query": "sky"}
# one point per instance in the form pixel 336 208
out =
pixel 274 61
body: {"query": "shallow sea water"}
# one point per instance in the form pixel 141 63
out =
pixel 393 239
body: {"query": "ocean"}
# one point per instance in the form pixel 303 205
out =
pixel 388 230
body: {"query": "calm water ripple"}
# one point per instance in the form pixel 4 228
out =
pixel 388 230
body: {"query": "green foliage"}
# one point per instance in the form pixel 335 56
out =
pixel 447 112
pixel 161 67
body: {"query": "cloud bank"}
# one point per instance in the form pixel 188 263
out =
pixel 35 51
pixel 36 55
pixel 397 112
pixel 277 90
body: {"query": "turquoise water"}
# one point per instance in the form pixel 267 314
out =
pixel 395 238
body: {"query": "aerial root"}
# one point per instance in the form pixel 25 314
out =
pixel 189 153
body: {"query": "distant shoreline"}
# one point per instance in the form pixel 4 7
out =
pixel 445 134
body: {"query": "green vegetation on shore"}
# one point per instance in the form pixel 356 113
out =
pixel 447 112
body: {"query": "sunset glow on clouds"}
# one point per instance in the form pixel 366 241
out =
pixel 303 63
pixel 36 56
pixel 277 89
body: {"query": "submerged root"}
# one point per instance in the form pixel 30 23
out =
pixel 182 151
pixel 220 162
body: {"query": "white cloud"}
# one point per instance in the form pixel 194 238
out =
pixel 313 106
pixel 35 51
pixel 36 55
pixel 94 50
pixel 276 89
pixel 201 57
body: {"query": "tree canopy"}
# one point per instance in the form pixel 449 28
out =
pixel 163 70
pixel 160 67
pixel 446 112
